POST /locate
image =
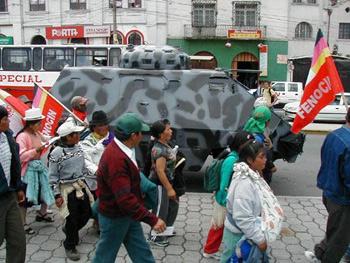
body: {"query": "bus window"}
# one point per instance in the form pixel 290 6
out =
pixel 16 59
pixel 37 58
pixel 91 56
pixel 114 56
pixel 55 59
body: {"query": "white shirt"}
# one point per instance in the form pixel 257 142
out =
pixel 129 152
pixel 5 156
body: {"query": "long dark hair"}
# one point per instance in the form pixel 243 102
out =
pixel 26 125
pixel 236 141
pixel 158 127
pixel 250 150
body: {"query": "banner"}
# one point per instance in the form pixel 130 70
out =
pixel 263 58
pixel 50 107
pixel 64 32
pixel 16 109
pixel 322 84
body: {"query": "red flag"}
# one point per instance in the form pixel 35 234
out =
pixel 16 109
pixel 50 107
pixel 322 84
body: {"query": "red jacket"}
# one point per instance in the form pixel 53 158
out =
pixel 118 183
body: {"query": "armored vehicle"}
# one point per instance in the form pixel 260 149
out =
pixel 203 106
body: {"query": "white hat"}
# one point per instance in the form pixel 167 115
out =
pixel 68 128
pixel 33 114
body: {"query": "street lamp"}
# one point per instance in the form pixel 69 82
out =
pixel 329 13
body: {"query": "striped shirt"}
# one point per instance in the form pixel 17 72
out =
pixel 5 156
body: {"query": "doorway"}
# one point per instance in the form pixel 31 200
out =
pixel 245 61
pixel 38 40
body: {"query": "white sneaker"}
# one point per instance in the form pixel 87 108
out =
pixel 216 255
pixel 310 256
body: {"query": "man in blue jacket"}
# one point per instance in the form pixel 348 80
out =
pixel 11 226
pixel 334 180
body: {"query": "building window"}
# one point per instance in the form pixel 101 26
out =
pixel 77 4
pixel 3 5
pixel 118 2
pixel 204 14
pixel 134 4
pixel 311 1
pixel 344 31
pixel 297 1
pixel 37 5
pixel 246 13
pixel 303 31
pixel 134 38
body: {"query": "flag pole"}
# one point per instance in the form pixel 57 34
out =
pixel 69 111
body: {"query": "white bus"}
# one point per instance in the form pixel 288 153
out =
pixel 23 65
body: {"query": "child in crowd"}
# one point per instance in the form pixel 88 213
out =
pixel 67 172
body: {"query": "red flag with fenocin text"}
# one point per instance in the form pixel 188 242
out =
pixel 323 83
pixel 50 107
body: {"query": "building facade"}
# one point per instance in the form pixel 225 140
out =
pixel 82 21
pixel 250 38
pixel 305 17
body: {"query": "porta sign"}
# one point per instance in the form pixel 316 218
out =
pixel 63 32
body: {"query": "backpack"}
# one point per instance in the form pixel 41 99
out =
pixel 212 172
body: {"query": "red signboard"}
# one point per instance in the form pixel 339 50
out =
pixel 63 32
pixel 244 34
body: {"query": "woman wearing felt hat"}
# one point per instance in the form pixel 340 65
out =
pixel 34 172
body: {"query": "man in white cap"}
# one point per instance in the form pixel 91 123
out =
pixel 67 172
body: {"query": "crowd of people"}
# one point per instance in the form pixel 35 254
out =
pixel 92 173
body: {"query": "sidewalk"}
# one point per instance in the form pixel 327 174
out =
pixel 304 226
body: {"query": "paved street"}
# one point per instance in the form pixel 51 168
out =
pixel 305 222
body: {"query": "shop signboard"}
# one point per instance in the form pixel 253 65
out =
pixel 6 40
pixel 244 34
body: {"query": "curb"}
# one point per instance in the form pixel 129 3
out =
pixel 317 132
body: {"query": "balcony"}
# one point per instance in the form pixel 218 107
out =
pixel 218 32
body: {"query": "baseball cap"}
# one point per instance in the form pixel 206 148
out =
pixel 68 128
pixel 129 123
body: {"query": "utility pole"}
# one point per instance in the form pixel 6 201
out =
pixel 115 34
pixel 329 13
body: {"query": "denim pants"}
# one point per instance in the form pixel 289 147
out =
pixel 117 231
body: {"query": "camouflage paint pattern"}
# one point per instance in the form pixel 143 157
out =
pixel 204 106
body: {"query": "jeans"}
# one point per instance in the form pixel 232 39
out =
pixel 117 231
pixel 11 229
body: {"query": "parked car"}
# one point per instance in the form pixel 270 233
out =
pixel 287 91
pixel 334 112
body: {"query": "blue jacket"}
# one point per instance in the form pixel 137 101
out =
pixel 15 181
pixel 334 175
